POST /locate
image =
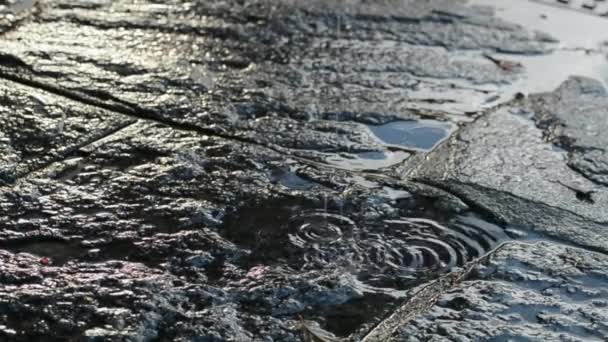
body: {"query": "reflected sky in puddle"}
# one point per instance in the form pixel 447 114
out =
pixel 573 29
pixel 579 52
pixel 401 138
pixel 422 135
pixel 546 73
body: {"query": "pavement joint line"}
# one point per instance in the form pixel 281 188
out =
pixel 425 298
pixel 135 112
pixel 476 207
pixel 147 115
pixel 73 150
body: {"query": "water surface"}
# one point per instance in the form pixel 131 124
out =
pixel 422 135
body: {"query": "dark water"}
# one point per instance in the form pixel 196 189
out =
pixel 385 256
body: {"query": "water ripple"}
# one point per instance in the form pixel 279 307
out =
pixel 393 253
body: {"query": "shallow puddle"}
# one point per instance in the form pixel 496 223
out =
pixel 573 27
pixel 404 250
pixel 288 178
pixel 366 160
pixel 421 135
pixel 546 73
pixel 580 50
pixel 385 258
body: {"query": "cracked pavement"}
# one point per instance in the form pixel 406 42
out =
pixel 291 171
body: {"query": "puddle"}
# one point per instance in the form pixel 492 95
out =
pixel 546 73
pixel 580 51
pixel 384 257
pixel 366 160
pixel 286 233
pixel 422 135
pixel 454 97
pixel 288 178
pixel 573 29
pixel 383 252
pixel 405 250
pixel 394 194
pixel 357 312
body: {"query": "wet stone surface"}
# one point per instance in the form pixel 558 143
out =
pixel 276 251
pixel 267 170
pixel 37 128
pixel 13 12
pixel 536 291
pixel 550 159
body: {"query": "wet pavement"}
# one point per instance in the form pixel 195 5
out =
pixel 303 171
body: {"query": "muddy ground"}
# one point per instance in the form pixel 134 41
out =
pixel 249 170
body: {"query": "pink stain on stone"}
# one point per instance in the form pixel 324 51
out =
pixel 257 272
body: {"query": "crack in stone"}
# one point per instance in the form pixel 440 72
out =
pixel 496 217
pixel 581 195
pixel 122 107
pixel 70 153
pixel 105 101
pixel 424 299
pixel 586 176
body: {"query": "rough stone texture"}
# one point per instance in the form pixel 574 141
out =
pixel 524 160
pixel 574 117
pixel 187 171
pixel 539 292
pixel 181 204
pixel 206 65
pixel 108 301
pixel 37 128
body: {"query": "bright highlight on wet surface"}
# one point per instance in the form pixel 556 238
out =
pixel 299 171
pixel 422 135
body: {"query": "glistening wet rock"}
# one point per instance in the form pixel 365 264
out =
pixel 239 170
pixel 549 158
pixel 574 118
pixel 526 291
pixel 37 128
pixel 313 75
pixel 181 203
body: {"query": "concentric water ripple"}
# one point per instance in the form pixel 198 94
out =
pixel 404 250
pixel 324 238
pixel 316 228
pixel 391 253
pixel 383 254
